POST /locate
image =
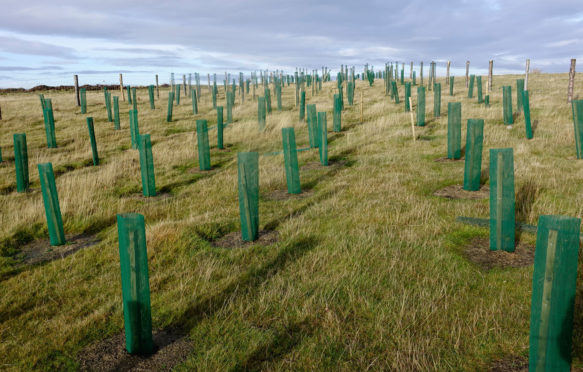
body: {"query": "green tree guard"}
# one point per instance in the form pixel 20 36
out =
pixel 414 78
pixel 507 103
pixel 297 91
pixel 471 86
pixel 577 107
pixel 83 98
pixel 42 101
pixel 554 283
pixel 473 163
pixel 133 136
pixel 451 85
pixel 51 202
pixel 49 103
pixel 116 123
pixel 519 90
pixel 50 128
pixel 341 95
pixel 502 223
pixel 278 94
pixel 553 293
pixel 220 127
pixel 193 95
pixel 134 129
pixel 261 112
pixel 454 130
pixel 202 138
pixel 135 286
pixel 91 129
pixel 248 185
pixel 21 162
pixel 421 106
pixel 292 171
pixel 229 107
pixel 268 100
pixel 214 96
pixel 129 89
pixel 177 94
pixel 151 96
pixel 170 104
pixel 108 106
pixel 337 119
pixel 436 99
pixel 312 125
pixel 479 86
pixel 395 91
pixel 1 155
pixel 526 108
pixel 323 138
pixel 350 92
pixel 134 99
pixel 487 100
pixel 407 95
pixel 147 165
pixel 302 105
pixel 402 76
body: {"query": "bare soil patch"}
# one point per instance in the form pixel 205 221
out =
pixel 316 165
pixel 40 250
pixel 171 348
pixel 457 192
pixel 159 196
pixel 448 160
pixel 196 170
pixel 235 240
pixel 226 149
pixel 515 364
pixel 284 195
pixel 478 251
pixel 509 364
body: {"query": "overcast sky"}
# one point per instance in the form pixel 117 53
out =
pixel 46 42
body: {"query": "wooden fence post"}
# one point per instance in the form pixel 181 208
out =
pixel 123 97
pixel 77 97
pixel 571 80
pixel 490 69
pixel 157 87
pixel 526 74
pixel 467 74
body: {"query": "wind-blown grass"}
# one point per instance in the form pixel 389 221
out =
pixel 368 273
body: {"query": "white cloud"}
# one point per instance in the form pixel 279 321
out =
pixel 562 43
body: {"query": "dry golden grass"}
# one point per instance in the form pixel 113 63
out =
pixel 368 273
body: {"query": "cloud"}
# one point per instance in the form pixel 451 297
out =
pixel 561 43
pixel 25 68
pixel 185 36
pixel 21 46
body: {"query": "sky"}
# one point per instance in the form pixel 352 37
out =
pixel 47 42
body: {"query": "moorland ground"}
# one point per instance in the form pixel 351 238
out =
pixel 370 270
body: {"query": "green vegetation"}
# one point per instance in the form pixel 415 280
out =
pixel 369 272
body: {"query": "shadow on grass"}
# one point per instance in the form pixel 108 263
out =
pixel 274 223
pixel 195 176
pixel 69 167
pixel 247 282
pixel 10 247
pixel 284 341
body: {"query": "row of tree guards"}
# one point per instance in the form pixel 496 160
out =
pixel 557 236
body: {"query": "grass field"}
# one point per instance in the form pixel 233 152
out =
pixel 369 272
